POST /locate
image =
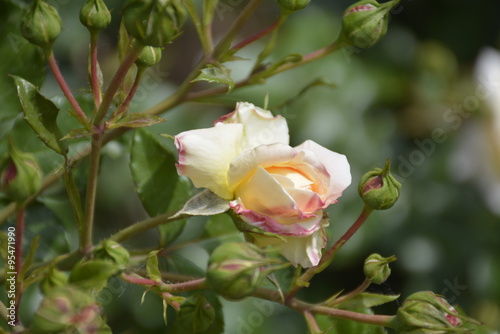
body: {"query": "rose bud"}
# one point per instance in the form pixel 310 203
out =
pixel 425 311
pixel 379 189
pixel 154 22
pixel 365 22
pixel 41 24
pixel 113 252
pixel 377 269
pixel 235 269
pixel 290 6
pixel 149 56
pixel 20 175
pixel 95 15
pixel 54 278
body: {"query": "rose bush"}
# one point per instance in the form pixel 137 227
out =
pixel 246 158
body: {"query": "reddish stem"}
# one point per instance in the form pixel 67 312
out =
pixel 259 35
pixel 94 78
pixel 82 118
pixel 124 106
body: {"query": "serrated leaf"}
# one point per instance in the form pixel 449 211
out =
pixel 135 120
pixel 41 114
pixel 346 326
pixel 204 203
pixel 28 261
pixel 218 74
pixel 77 133
pixel 19 57
pixel 156 181
pixel 367 300
pixel 92 274
pixel 152 266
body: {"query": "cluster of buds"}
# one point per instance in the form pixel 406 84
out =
pixel 154 22
pixel 365 22
pixel 377 268
pixel 236 269
pixel 20 175
pixel 379 189
pixel 425 312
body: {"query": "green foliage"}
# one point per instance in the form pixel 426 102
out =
pixel 92 275
pixel 157 183
pixel 218 74
pixel 41 114
pixel 204 203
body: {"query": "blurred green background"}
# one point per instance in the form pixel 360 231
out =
pixel 390 101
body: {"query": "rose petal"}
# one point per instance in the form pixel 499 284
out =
pixel 307 201
pixel 205 155
pixel 260 127
pixel 304 251
pixel 264 195
pixel 337 166
pixel 265 156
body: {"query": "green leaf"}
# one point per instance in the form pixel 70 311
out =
pixel 269 71
pixel 41 114
pixel 28 261
pixel 156 181
pixel 201 313
pixel 19 57
pixel 92 274
pixel 152 266
pixel 345 326
pixel 204 203
pixel 218 74
pixel 135 120
pixel 367 300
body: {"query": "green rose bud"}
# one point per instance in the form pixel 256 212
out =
pixel 290 6
pixel 150 56
pixel 66 309
pixel 54 278
pixel 154 22
pixel 379 189
pixel 365 22
pixel 425 312
pixel 235 269
pixel 112 251
pixel 377 269
pixel 95 15
pixel 20 175
pixel 41 24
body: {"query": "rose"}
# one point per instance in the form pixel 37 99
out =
pixel 246 158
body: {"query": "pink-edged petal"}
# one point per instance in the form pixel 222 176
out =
pixel 307 201
pixel 337 166
pixel 304 251
pixel 264 195
pixel 205 155
pixel 264 156
pixel 305 227
pixel 260 127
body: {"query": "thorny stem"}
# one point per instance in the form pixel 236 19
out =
pixel 144 226
pixel 94 77
pixel 225 42
pixel 188 285
pixel 90 197
pixel 276 24
pixel 124 106
pixel 82 118
pixel 116 81
pixel 360 289
pixel 18 246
